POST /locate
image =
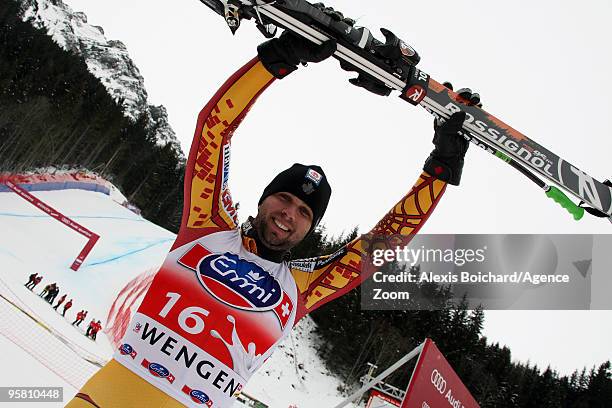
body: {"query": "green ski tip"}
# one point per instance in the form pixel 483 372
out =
pixel 560 197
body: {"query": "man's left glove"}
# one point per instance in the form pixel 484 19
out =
pixel 282 55
pixel 446 161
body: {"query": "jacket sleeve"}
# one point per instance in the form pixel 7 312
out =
pixel 208 206
pixel 322 279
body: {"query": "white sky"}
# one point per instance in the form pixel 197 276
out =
pixel 541 66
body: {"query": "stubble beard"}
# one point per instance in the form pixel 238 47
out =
pixel 267 238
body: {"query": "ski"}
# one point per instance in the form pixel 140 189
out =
pixel 392 65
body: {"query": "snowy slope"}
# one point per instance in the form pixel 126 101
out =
pixel 129 247
pixel 33 242
pixel 108 60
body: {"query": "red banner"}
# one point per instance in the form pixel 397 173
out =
pixel 434 383
pixel 92 237
pixel 380 400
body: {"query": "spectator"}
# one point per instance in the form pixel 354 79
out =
pixel 67 306
pixel 90 328
pixel 47 290
pixel 95 330
pixel 31 280
pixel 60 301
pixel 80 317
pixel 36 281
pixel 52 295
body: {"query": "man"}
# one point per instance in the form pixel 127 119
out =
pixel 46 290
pixel 52 294
pixel 31 280
pixel 227 295
pixel 60 301
pixel 91 327
pixel 67 306
pixel 79 317
pixel 95 328
pixel 36 282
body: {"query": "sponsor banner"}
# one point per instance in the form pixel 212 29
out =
pixel 434 383
pixel 60 181
pixel 50 211
pixel 182 370
pixel 53 213
pixel 491 271
pixel 84 252
pixel 380 400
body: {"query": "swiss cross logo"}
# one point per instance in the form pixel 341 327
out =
pixel 284 309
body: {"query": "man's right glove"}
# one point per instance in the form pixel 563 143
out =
pixel 282 55
pixel 446 160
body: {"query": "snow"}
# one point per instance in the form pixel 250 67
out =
pixel 107 60
pixel 36 374
pixel 31 241
pixel 43 347
pixel 295 375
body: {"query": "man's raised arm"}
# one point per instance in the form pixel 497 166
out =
pixel 207 203
pixel 320 280
pixel 208 206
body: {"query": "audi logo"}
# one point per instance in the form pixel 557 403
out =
pixel 438 381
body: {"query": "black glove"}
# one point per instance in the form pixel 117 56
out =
pixel 446 161
pixel 282 55
pixel 366 81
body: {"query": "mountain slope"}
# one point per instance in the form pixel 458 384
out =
pixel 108 60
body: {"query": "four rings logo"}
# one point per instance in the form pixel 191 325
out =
pixel 438 381
pixel 238 282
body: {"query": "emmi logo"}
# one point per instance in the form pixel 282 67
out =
pixel 234 281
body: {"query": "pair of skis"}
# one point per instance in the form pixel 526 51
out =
pixel 391 65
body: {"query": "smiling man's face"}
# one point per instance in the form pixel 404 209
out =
pixel 282 221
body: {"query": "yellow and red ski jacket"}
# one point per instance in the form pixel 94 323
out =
pixel 216 310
